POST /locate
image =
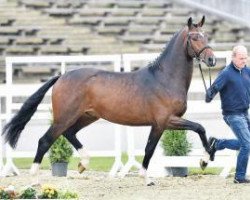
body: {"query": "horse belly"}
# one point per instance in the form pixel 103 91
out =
pixel 124 114
pixel 119 109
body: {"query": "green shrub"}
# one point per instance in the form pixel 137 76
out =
pixel 60 151
pixel 29 193
pixel 68 195
pixel 175 143
pixel 4 194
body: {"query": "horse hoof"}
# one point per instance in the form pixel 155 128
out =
pixel 142 173
pixel 34 169
pixel 151 184
pixel 81 168
pixel 203 164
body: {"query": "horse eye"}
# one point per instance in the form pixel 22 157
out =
pixel 195 37
pixel 202 36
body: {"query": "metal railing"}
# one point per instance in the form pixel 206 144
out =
pixel 238 11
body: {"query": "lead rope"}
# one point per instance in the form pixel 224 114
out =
pixel 203 80
pixel 210 79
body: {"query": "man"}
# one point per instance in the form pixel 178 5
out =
pixel 233 84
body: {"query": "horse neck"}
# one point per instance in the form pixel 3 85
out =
pixel 176 67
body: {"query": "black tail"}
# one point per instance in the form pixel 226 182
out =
pixel 12 130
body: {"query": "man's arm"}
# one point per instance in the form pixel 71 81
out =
pixel 218 84
pixel 210 94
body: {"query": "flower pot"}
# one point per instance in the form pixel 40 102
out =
pixel 59 169
pixel 177 171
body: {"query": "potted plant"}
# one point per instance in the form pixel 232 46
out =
pixel 175 143
pixel 59 155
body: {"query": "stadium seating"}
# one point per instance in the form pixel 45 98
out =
pixel 77 27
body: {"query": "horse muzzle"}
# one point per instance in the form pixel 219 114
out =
pixel 207 56
pixel 211 61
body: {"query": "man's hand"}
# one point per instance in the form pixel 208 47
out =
pixel 208 96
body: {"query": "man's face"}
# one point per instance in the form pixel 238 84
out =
pixel 240 59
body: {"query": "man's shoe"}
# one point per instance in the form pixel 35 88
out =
pixel 238 181
pixel 212 147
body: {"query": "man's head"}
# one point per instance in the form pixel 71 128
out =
pixel 239 56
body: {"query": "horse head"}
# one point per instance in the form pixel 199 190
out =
pixel 197 46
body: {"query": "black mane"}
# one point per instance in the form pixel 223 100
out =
pixel 156 64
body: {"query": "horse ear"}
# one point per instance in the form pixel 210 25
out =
pixel 200 24
pixel 190 22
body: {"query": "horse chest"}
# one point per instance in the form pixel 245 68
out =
pixel 175 107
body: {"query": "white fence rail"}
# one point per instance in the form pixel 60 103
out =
pixel 11 90
pixel 225 159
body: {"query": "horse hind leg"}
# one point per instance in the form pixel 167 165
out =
pixel 45 143
pixel 70 134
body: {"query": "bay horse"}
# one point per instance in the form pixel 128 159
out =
pixel 153 96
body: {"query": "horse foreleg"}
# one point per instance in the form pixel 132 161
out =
pixel 179 123
pixel 153 139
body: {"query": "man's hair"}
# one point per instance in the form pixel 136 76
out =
pixel 239 49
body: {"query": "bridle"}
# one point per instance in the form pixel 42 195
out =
pixel 197 56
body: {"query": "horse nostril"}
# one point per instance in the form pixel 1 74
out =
pixel 212 61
